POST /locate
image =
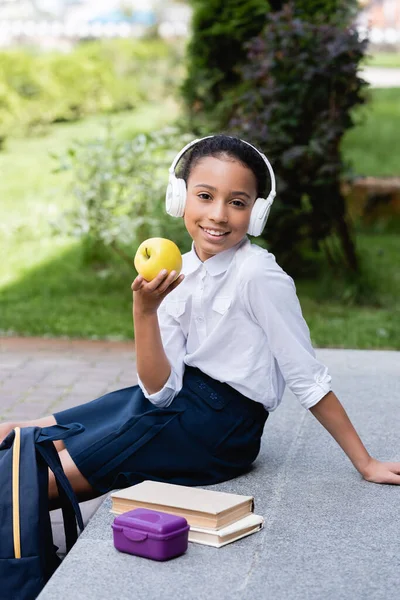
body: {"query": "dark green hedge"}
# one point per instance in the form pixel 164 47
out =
pixel 300 84
pixel 284 77
pixel 216 50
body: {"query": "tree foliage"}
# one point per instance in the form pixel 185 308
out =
pixel 329 11
pixel 216 50
pixel 289 89
pixel 119 191
pixel 301 84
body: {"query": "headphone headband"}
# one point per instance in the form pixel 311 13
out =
pixel 272 193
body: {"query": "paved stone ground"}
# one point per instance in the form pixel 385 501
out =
pixel 40 376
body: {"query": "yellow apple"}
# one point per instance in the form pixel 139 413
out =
pixel 156 254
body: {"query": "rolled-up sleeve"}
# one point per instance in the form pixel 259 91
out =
pixel 174 343
pixel 269 295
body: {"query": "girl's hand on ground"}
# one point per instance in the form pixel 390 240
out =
pixel 382 472
pixel 148 295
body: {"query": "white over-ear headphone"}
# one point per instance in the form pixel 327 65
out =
pixel 175 199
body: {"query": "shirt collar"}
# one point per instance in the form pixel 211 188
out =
pixel 216 264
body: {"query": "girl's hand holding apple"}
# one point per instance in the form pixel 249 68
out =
pixel 148 295
pixel 158 262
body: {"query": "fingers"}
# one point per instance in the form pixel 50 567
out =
pixel 177 282
pixel 168 283
pixel 385 472
pixel 390 478
pixel 162 283
pixel 137 283
pixel 394 466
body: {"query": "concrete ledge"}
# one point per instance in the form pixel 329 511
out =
pixel 328 533
pixel 88 509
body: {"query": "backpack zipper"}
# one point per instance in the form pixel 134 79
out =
pixel 15 492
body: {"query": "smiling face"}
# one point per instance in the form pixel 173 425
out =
pixel 220 195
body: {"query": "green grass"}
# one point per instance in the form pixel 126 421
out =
pixel 45 289
pixel 372 147
pixel 27 184
pixel 335 324
pixel 61 297
pixel 32 194
pixel 383 59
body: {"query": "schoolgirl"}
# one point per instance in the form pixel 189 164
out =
pixel 215 347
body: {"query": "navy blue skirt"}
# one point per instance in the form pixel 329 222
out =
pixel 210 433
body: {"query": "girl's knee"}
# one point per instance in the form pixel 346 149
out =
pixel 8 426
pixel 5 429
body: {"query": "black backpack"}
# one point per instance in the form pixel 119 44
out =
pixel 28 556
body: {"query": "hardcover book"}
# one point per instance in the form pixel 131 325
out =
pixel 235 531
pixel 206 509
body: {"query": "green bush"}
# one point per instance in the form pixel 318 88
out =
pixel 21 90
pixel 119 188
pixel 289 89
pixel 323 11
pixel 301 83
pixel 96 77
pixel 10 106
pixel 215 51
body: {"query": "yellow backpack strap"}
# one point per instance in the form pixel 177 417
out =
pixel 15 492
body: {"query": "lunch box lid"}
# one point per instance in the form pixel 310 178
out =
pixel 153 522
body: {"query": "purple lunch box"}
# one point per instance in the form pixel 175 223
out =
pixel 151 534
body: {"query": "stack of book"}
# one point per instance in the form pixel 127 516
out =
pixel 215 518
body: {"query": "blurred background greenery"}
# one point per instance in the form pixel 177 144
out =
pixel 86 140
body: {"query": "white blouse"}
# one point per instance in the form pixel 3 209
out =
pixel 237 318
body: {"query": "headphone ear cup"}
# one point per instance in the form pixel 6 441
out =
pixel 259 216
pixel 175 198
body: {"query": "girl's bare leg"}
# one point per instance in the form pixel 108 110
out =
pixel 5 428
pixel 80 485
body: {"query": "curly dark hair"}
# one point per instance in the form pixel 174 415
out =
pixel 220 146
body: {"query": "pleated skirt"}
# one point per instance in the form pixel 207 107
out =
pixel 210 433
